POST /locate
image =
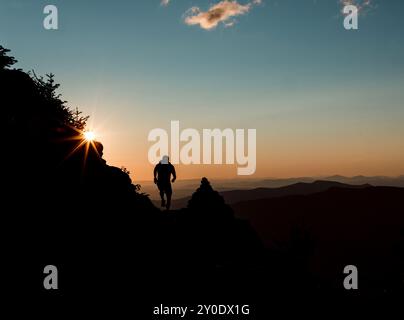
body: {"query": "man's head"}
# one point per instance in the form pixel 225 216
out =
pixel 165 160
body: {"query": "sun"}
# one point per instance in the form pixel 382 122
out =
pixel 89 136
pixel 86 141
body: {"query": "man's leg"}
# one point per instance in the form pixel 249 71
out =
pixel 163 202
pixel 169 193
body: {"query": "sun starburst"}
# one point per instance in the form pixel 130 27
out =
pixel 89 136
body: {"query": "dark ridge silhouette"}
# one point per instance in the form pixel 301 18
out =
pixel 89 219
pixel 379 181
pixel 360 225
pixel 113 247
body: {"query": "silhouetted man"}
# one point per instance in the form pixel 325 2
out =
pixel 162 176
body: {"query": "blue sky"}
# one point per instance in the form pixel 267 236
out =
pixel 324 100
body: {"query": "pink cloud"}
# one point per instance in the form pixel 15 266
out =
pixel 222 12
pixel 362 5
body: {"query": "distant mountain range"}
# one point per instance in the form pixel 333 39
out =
pixel 184 188
pixel 299 188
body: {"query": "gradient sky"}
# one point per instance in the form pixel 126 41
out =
pixel 324 100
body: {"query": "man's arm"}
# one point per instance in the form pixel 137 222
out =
pixel 155 174
pixel 174 174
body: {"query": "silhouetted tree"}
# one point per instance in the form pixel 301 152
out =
pixel 79 121
pixel 6 61
pixel 47 88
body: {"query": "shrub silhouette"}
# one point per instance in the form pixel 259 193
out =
pixel 209 202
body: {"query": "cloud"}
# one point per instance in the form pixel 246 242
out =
pixel 165 3
pixel 222 12
pixel 362 5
